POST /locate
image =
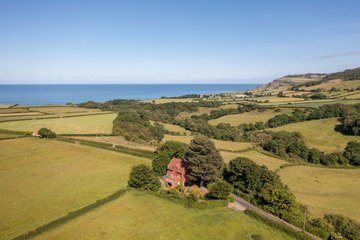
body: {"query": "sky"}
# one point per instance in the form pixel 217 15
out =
pixel 168 41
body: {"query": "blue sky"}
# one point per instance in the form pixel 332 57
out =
pixel 168 41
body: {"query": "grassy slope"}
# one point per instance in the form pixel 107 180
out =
pixel 85 124
pixel 225 145
pixel 41 180
pixel 320 134
pixel 325 190
pixel 259 158
pixel 140 216
pixel 249 117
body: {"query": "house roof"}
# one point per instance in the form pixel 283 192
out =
pixel 176 163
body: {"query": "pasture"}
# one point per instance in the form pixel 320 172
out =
pixel 100 123
pixel 255 156
pixel 249 117
pixel 138 215
pixel 117 140
pixel 63 109
pixel 320 134
pixel 168 100
pixel 41 180
pixel 325 190
pixel 335 83
pixel 220 145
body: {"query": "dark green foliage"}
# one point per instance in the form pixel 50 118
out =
pixel 141 177
pixel 165 153
pixel 352 153
pixel 320 227
pixel 264 188
pixel 351 124
pixel 318 96
pixel 281 94
pixel 203 162
pixel 46 133
pixel 349 74
pixel 219 190
pixel 157 131
pixel 346 227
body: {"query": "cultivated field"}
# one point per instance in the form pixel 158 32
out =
pixel 249 117
pixel 65 109
pixel 41 180
pixel 101 123
pixel 117 140
pixel 325 190
pixel 257 157
pixel 220 145
pixel 320 134
pixel 138 215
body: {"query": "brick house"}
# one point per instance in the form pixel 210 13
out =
pixel 176 173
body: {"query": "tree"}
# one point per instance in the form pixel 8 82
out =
pixel 203 162
pixel 281 94
pixel 165 153
pixel 141 177
pixel 352 153
pixel 46 133
pixel 157 131
pixel 351 124
pixel 219 190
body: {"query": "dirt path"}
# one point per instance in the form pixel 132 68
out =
pixel 240 205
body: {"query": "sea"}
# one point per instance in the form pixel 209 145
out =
pixel 40 94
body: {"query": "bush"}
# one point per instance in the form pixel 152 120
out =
pixel 141 177
pixel 352 153
pixel 219 190
pixel 46 133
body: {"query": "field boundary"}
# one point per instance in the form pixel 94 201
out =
pixel 108 146
pixel 70 216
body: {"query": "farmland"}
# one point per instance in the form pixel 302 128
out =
pixel 257 157
pixel 222 145
pixel 249 117
pixel 141 216
pixel 320 134
pixel 325 190
pixel 101 123
pixel 41 180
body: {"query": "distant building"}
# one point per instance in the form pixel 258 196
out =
pixel 36 133
pixel 176 173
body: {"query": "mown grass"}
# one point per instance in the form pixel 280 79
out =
pixel 325 190
pixel 320 134
pixel 257 157
pixel 117 140
pixel 41 180
pixel 222 145
pixel 249 117
pixel 101 123
pixel 138 215
pixel 7 135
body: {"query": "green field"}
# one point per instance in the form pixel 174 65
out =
pixel 41 180
pixel 101 123
pixel 7 135
pixel 249 117
pixel 325 190
pixel 337 84
pixel 64 109
pixel 221 145
pixel 320 134
pixel 257 157
pixel 141 216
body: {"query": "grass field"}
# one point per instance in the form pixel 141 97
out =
pixel 117 140
pixel 325 190
pixel 173 128
pixel 275 99
pixel 221 145
pixel 335 83
pixel 257 157
pixel 41 180
pixel 320 134
pixel 59 110
pixel 248 117
pixel 141 216
pixel 101 123
pixel 7 135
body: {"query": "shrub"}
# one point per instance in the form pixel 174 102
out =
pixel 219 190
pixel 352 153
pixel 141 177
pixel 46 133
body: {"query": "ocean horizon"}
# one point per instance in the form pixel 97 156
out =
pixel 40 94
